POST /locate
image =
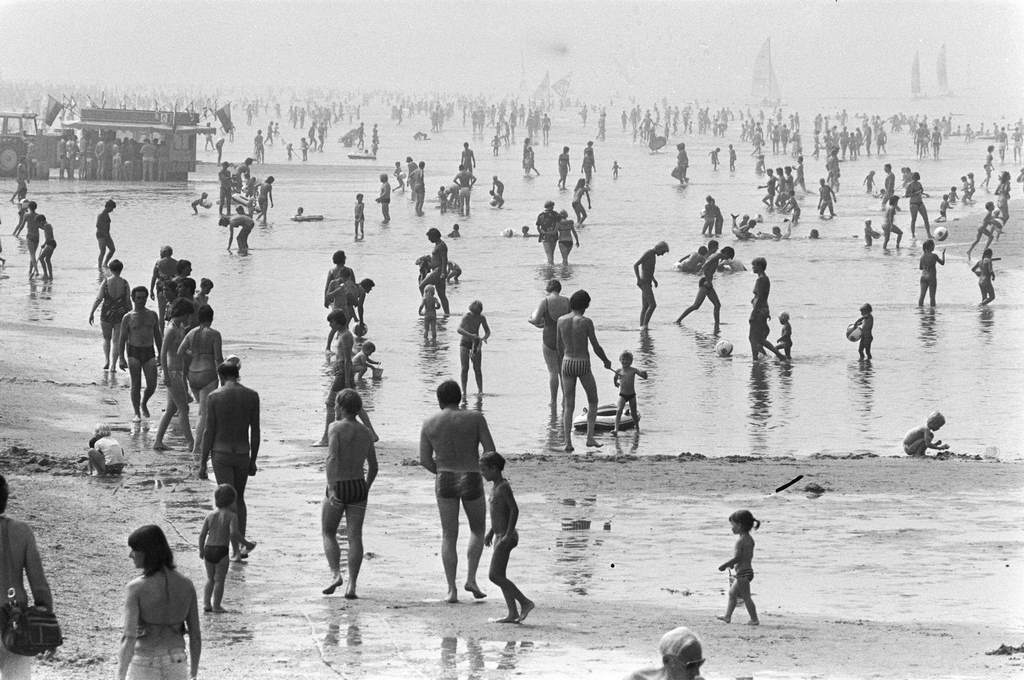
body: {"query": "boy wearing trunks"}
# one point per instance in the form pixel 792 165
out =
pixel 450 442
pixel 350 447
pixel 705 286
pixel 504 516
pixel 140 329
pixel 574 333
pixel 625 379
pixel 220 527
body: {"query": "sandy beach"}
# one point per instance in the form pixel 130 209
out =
pixel 899 564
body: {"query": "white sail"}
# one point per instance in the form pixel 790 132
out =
pixel 940 68
pixel 765 85
pixel 915 76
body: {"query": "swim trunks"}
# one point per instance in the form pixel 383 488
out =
pixel 215 553
pixel 627 396
pixel 141 353
pixel 466 486
pixel 51 243
pixel 348 492
pixel 575 368
pixel 746 573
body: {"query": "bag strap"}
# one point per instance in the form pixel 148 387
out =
pixel 8 563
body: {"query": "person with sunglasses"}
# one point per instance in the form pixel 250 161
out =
pixel 681 658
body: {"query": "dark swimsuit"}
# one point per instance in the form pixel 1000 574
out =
pixel 215 553
pixel 348 492
pixel 467 486
pixel 141 352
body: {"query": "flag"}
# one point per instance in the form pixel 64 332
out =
pixel 53 108
pixel 543 90
pixel 224 116
pixel 562 86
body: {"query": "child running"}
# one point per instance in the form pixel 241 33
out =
pixel 742 522
pixel 504 515
pixel 220 528
pixel 624 379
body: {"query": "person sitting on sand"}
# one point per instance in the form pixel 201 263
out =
pixel 504 516
pixel 450 442
pixel 106 455
pixel 919 440
pixel 681 658
pixel 350 447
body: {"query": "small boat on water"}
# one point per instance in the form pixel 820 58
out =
pixel 308 218
pixel 606 419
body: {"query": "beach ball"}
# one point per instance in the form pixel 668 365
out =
pixel 359 330
pixel 853 333
pixel 494 204
pixel 723 348
pixel 941 233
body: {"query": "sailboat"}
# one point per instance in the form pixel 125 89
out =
pixel 940 71
pixel 765 86
pixel 915 78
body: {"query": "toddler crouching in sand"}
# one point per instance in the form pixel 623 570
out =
pixel 106 456
pixel 919 440
pixel 742 522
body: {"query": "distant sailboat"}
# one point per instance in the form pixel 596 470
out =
pixel 940 69
pixel 915 77
pixel 765 85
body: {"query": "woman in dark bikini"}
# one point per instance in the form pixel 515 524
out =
pixel 161 609
pixel 566 234
pixel 201 348
pixel 174 376
pixel 113 295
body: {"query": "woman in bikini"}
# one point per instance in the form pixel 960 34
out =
pixel 566 234
pixel 174 376
pixel 201 349
pixel 161 609
pixel 578 193
pixel 113 296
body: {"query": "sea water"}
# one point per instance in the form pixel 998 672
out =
pixel 959 357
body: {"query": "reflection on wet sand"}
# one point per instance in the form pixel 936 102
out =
pixel 927 334
pixel 450 659
pixel 574 559
pixel 986 323
pixel 760 406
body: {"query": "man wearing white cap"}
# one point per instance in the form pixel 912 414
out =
pixel 681 658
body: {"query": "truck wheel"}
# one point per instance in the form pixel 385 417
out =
pixel 8 160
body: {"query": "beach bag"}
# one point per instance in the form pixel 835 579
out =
pixel 27 631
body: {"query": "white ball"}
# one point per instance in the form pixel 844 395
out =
pixel 941 233
pixel 853 333
pixel 723 348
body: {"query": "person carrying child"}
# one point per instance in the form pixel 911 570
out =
pixel 219 529
pixel 504 515
pixel 742 522
pixel 624 379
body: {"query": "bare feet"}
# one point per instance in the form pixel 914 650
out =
pixel 207 608
pixel 351 595
pixel 160 446
pixel 145 411
pixel 511 618
pixel 755 622
pixel 527 608
pixel 724 618
pixel 329 590
pixel 569 447
pixel 453 597
pixel 219 610
pixel 322 442
pixel 593 443
pixel 477 593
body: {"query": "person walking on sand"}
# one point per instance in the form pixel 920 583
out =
pixel 140 329
pixel 174 376
pixel 742 523
pixel 551 308
pixel 681 658
pixel 450 442
pixel 202 353
pixel 574 333
pixel 504 517
pixel 113 299
pixel 21 559
pixel 350 448
pixel 161 608
pixel 232 436
pixel 645 281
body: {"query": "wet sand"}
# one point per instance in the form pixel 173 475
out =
pixel 901 568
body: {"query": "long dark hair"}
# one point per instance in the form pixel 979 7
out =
pixel 152 543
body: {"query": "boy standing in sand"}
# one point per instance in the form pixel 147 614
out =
pixel 504 516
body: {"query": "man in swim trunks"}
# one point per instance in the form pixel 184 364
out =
pixel 573 332
pixel 140 330
pixel 551 308
pixel 244 224
pixel 103 239
pixel 232 436
pixel 224 176
pixel 706 287
pixel 645 281
pixel 450 443
pixel 438 268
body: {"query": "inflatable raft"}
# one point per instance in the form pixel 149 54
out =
pixel 606 419
pixel 362 156
pixel 308 218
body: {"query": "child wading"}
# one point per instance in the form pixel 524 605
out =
pixel 504 515
pixel 742 522
pixel 220 527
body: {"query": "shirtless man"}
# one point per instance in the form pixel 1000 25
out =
pixel 438 268
pixel 551 308
pixel 889 186
pixel 224 177
pixel 450 443
pixel 419 190
pixel 468 159
pixel 103 239
pixel 574 331
pixel 244 224
pixel 563 167
pixel 164 270
pixel 706 288
pixel 232 436
pixel 265 198
pixel 465 179
pixel 140 330
pixel 645 281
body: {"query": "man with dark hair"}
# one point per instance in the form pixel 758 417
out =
pixel 232 435
pixel 22 558
pixel 450 443
pixel 574 332
pixel 438 268
pixel 140 330
pixel 551 308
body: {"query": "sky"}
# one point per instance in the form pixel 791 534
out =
pixel 676 49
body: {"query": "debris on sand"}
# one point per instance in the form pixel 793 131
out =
pixel 813 489
pixel 1007 649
